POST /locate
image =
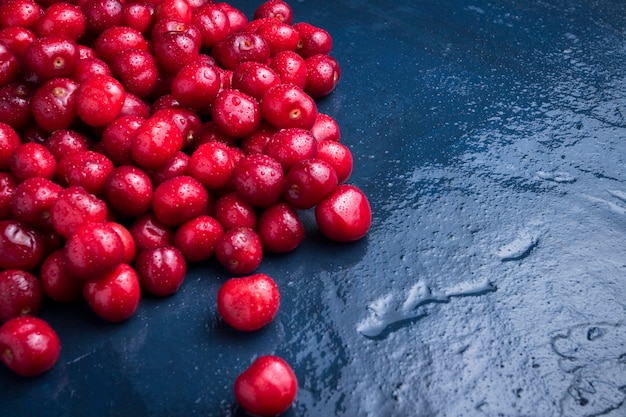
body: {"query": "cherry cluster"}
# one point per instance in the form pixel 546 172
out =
pixel 139 136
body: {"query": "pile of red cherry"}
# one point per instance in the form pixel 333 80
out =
pixel 138 136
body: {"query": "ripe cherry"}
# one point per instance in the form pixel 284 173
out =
pixel 259 180
pixel 75 207
pixel 61 19
pixel 21 246
pixel 32 159
pixel 51 57
pixel 128 191
pixel 28 346
pixel 32 201
pixel 20 294
pixel 239 251
pixel 178 200
pixel 248 303
pixel 280 229
pixel 155 143
pixel 57 282
pixel 287 105
pixel 93 250
pixel 235 113
pixel 345 215
pixel 267 388
pixel 212 165
pixel 99 100
pixel 161 271
pixel 116 295
pixel 197 238
pixel 9 140
pixel 277 9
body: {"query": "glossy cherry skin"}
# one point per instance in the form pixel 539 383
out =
pixel 88 169
pixel 9 140
pixel 277 9
pixel 51 57
pixel 116 295
pixel 197 238
pixel 99 100
pixel 235 113
pixel 75 207
pixel 239 251
pixel 248 303
pixel 21 246
pixel 178 200
pixel 33 200
pixel 28 346
pixel 345 215
pixel 93 250
pixel 338 156
pixel 57 282
pixel 15 101
pixel 61 19
pixel 32 159
pixel 161 270
pixel 128 191
pixel 155 143
pixel 267 388
pixel 20 294
pixel 280 229
pixel 287 105
pixel 148 232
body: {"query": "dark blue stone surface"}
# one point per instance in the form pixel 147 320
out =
pixel 490 138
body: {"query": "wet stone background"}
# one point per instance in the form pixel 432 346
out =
pixel 490 138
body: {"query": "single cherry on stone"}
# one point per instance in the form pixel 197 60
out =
pixel 28 345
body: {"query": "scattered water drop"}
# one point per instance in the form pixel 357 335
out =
pixel 389 311
pixel 556 176
pixel 520 247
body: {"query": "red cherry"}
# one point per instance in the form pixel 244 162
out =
pixel 313 40
pixel 277 9
pixel 161 271
pixel 155 143
pixel 9 141
pixel 239 251
pixel 116 295
pixel 212 23
pixel 212 165
pixel 280 229
pixel 32 159
pixel 230 210
pixel 178 200
pixel 88 169
pixel 290 146
pixel 235 113
pixel 99 100
pixel 287 105
pixel 61 19
pixel 93 250
pixel 338 156
pixel 248 303
pixel 28 346
pixel 345 215
pixel 128 191
pixel 75 207
pixel 57 282
pixel 259 180
pixel 267 388
pixel 20 294
pixel 51 57
pixel 323 74
pixel 33 200
pixel 197 238
pixel 21 246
